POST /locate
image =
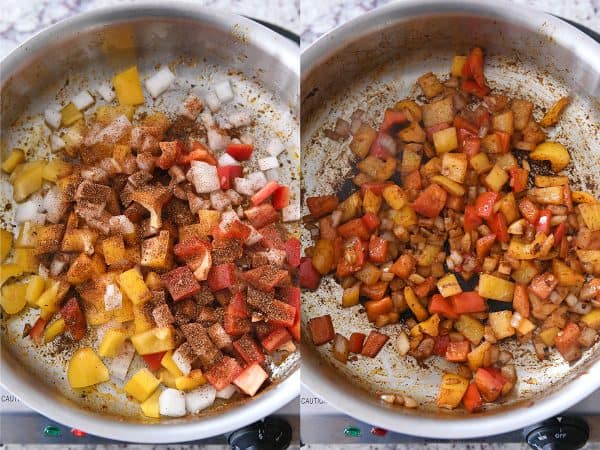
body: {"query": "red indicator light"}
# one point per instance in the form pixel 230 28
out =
pixel 78 433
pixel 375 431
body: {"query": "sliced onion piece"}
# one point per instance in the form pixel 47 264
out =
pixel 224 91
pixel 257 179
pixel 275 147
pixel 56 143
pixel 212 101
pixel 200 398
pixel 83 100
pixel 341 348
pixel 171 403
pixel 106 92
pixel 268 163
pixel 52 117
pixel 119 365
pixel 291 213
pixel 227 160
pixel 239 119
pixel 204 177
pixel 113 299
pixel 272 174
pixel 160 81
pixel 227 392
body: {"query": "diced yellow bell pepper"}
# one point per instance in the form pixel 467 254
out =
pixel 141 385
pixel 35 288
pixel 105 114
pixel 583 197
pixel 150 406
pixel 431 327
pixel 16 157
pixel 54 329
pixel 191 381
pixel 96 316
pixel 156 251
pixel 470 328
pixel 6 242
pixel 167 378
pixel 496 288
pixel 168 363
pixel 8 271
pixel 452 390
pixel 69 115
pixel 448 285
pixel 415 306
pixel 27 259
pixel 547 336
pixel 113 249
pixel 476 356
pixel 141 320
pixel 48 301
pixel 351 296
pixel 208 219
pixel 28 181
pixel 128 87
pixel 56 169
pixel 395 196
pixel 120 152
pixel 371 202
pixel 125 312
pixel 525 326
pixel 13 297
pixel 27 237
pixel 592 319
pixel 154 341
pixel 81 270
pixel 86 369
pixel 111 342
pixel 132 284
pixel 154 282
pixel 405 216
pixel 457 65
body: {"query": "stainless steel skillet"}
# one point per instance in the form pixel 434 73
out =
pixel 370 63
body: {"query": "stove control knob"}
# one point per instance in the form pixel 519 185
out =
pixel 558 433
pixel 269 434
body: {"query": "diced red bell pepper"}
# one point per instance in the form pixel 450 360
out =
pixel 251 379
pixel 468 302
pixel 472 87
pixel 424 288
pixel 457 351
pixel 521 300
pixel 227 174
pixel 261 215
pixel 198 153
pixel 376 308
pixel 518 179
pixel 472 219
pixel 354 228
pixel 293 298
pixel 309 277
pixel 235 230
pixel 276 339
pixel 235 325
pixel 271 237
pixel 462 123
pixel 482 117
pixel 321 206
pixel 170 152
pixel 471 146
pixel 222 373
pixel 37 331
pixel 377 149
pixel 559 233
pixel 441 344
pixel 542 285
pixel 221 276
pixel 484 245
pixel 321 329
pixel 264 193
pixel 247 348
pixel 472 399
pixel 237 305
pixel 241 152
pixel 356 342
pixel 265 278
pixel 392 117
pixel 475 66
pixel 74 319
pixel 378 249
pixel 352 250
pixel 504 140
pixel 192 246
pixel 281 197
pixel 566 340
pixel 295 330
pixel 371 221
pixel 489 383
pixel 373 344
pixel 441 305
pixel 497 223
pixel 281 314
pixel 431 201
pixel 455 202
pixel 153 360
pixel 528 210
pixel 376 187
pixel 413 181
pixel 430 131
pixel 375 291
pixel 484 204
pixel 181 283
pixel 543 221
pixel 292 251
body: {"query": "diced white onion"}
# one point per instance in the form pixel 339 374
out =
pixel 106 92
pixel 275 147
pixel 402 343
pixel 52 118
pixel 181 362
pixel 227 392
pixel 257 179
pixel 270 162
pixel 224 91
pixel 171 403
pixel 227 160
pixel 55 203
pixel 247 138
pixel 57 265
pixel 255 237
pixel 207 119
pixel 26 211
pixel 39 219
pixel 160 81
pixel 212 101
pixel 515 320
pixel 234 197
pixel 204 177
pixel 272 174
pixel 56 143
pixel 119 366
pixel 217 140
pixel 239 119
pixel 200 398
pixel 43 271
pixel 219 200
pixel 121 225
pixel 83 100
pixel 176 174
pixel 243 186
pixel 113 299
pixel 291 213
pixel 191 106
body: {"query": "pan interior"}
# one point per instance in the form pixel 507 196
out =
pixel 372 70
pixel 85 55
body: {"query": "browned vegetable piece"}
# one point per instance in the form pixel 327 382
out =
pixel 49 238
pixel 320 206
pixel 553 114
pixel 412 133
pixel 362 140
pixel 321 329
pixel 441 111
pixel 430 85
pixel 522 113
pixel 378 169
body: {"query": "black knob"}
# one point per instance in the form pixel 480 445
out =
pixel 269 434
pixel 558 433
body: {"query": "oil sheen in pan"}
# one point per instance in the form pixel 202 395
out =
pixel 272 118
pixel 327 164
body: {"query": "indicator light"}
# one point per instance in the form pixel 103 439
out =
pixel 376 431
pixel 52 431
pixel 352 431
pixel 78 433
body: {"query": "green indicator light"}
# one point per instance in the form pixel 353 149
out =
pixel 352 431
pixel 52 431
